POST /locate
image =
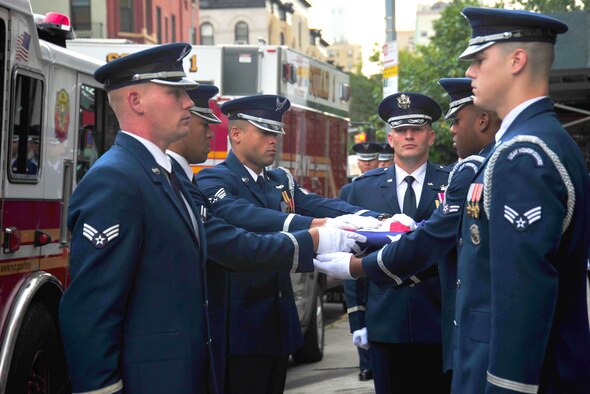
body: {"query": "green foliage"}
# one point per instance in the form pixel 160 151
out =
pixel 420 71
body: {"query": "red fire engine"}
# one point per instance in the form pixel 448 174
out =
pixel 51 108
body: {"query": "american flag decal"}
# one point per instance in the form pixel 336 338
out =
pixel 23 42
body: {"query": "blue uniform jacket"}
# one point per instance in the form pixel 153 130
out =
pixel 522 317
pixel 408 258
pixel 135 312
pixel 408 314
pixel 262 314
pixel 232 248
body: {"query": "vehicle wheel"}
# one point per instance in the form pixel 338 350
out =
pixel 313 340
pixel 38 363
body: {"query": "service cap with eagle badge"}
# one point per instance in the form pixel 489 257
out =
pixel 98 238
pixel 264 111
pixel 367 151
pixel 386 153
pixel 409 109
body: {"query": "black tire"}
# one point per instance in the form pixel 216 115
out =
pixel 313 341
pixel 38 363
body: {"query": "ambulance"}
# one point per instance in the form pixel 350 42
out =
pixel 55 122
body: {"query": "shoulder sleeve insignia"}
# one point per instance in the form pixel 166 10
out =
pixel 219 195
pixel 100 239
pixel 521 222
pixel 539 146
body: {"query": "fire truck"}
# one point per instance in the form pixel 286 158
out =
pixel 51 110
pixel 313 148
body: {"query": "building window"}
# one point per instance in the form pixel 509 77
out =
pixel 126 15
pixel 81 15
pixel 241 33
pixel 207 34
pixel 166 31
pixel 350 53
pixel 159 24
pixel 149 22
pixel 173 27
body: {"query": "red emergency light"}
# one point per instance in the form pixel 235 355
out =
pixel 55 27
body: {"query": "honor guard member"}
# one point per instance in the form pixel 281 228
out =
pixel 134 318
pixel 407 260
pixel 385 158
pixel 250 252
pixel 404 324
pixel 367 154
pixel 263 322
pixel 522 317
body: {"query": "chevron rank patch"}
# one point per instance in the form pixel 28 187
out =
pixel 447 208
pixel 521 222
pixel 220 195
pixel 100 239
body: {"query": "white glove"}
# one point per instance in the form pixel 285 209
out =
pixel 336 265
pixel 353 222
pixel 336 240
pixel 360 339
pixel 401 218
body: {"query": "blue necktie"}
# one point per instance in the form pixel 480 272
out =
pixel 410 198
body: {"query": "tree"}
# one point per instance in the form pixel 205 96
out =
pixel 421 70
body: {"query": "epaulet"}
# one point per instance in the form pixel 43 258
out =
pixel 515 151
pixel 472 162
pixel 375 172
pixel 440 167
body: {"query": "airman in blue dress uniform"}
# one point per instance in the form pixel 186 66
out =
pixel 521 311
pixel 263 321
pixel 404 324
pixel 134 318
pixel 367 154
pixel 407 260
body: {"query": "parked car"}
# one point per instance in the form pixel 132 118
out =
pixel 310 289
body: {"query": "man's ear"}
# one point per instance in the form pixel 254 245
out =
pixel 235 134
pixel 518 59
pixel 483 121
pixel 134 100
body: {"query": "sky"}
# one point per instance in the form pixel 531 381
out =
pixel 365 21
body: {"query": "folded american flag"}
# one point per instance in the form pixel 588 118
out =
pixel 376 239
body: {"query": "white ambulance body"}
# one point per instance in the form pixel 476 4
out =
pixel 54 122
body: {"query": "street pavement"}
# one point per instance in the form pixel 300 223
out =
pixel 338 371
